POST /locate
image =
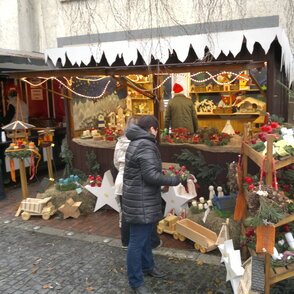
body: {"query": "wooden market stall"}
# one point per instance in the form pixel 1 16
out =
pixel 272 275
pixel 144 80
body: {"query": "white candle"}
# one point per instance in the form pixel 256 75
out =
pixel 201 199
pixel 200 206
pixel 275 255
pixel 205 205
pixel 290 239
pixel 209 202
pixel 194 203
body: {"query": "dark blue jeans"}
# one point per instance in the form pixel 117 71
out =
pixel 139 257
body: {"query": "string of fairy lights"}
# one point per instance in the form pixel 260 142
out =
pixel 69 82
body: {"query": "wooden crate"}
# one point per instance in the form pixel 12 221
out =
pixel 197 233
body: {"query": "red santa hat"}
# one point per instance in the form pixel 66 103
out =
pixel 177 88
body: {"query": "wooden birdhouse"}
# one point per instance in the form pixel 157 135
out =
pixel 209 87
pixel 112 119
pixel 45 137
pixel 227 87
pixel 101 122
pixel 18 131
pixel 120 118
pixel 243 85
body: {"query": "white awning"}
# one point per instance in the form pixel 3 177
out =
pixel 160 48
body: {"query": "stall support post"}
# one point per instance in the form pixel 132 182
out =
pixel 49 162
pixel 269 160
pixel 23 179
pixel 269 181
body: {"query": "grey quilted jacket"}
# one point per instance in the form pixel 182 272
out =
pixel 143 178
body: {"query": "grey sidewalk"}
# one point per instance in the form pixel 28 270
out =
pixel 46 260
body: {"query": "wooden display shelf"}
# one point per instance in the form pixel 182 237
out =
pixel 257 157
pixel 272 275
pixel 222 91
pixel 228 113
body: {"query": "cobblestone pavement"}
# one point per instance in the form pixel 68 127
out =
pixel 32 262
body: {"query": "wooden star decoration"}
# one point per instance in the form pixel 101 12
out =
pixel 175 200
pixel 70 209
pixel 105 193
pixel 232 261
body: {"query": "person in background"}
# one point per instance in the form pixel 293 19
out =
pixel 119 162
pixel 141 203
pixel 180 112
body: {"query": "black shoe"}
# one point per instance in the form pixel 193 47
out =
pixel 142 290
pixel 155 273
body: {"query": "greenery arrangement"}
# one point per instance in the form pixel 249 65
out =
pixel 208 136
pixel 92 164
pixel 24 152
pixel 265 206
pixel 66 157
pixel 206 174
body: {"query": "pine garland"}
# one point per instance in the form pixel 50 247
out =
pixel 269 212
pixel 20 154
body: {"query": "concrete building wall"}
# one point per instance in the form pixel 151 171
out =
pixel 34 25
pixel 9 34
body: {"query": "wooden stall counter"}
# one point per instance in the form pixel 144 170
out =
pixel 103 150
pixel 93 143
pixel 203 147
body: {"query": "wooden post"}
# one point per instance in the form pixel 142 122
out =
pixel 269 181
pixel 269 160
pixel 49 162
pixel 23 179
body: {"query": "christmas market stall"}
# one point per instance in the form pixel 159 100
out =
pixel 236 170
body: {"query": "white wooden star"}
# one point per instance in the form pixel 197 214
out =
pixel 176 201
pixel 105 193
pixel 232 261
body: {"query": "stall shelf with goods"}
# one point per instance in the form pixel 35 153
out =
pixel 271 276
pixel 229 95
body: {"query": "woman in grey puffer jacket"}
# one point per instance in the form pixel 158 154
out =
pixel 142 198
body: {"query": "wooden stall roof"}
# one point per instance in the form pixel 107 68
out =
pixel 142 69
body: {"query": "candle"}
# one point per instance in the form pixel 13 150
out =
pixel 65 181
pixel 31 145
pixel 201 199
pixel 290 239
pixel 76 178
pixel 60 181
pixel 275 255
pixel 200 206
pixel 71 177
pixel 205 205
pixel 194 203
pixel 209 202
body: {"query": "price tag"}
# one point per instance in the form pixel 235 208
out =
pixel 79 190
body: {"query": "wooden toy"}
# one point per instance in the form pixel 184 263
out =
pixel 70 208
pixel 205 239
pixel 168 225
pixel 34 206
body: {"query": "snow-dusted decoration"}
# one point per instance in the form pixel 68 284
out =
pixel 160 47
pixel 105 193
